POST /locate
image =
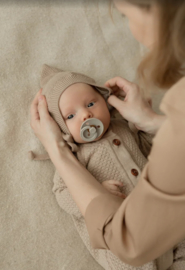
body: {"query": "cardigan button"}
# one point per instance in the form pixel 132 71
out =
pixel 134 172
pixel 116 142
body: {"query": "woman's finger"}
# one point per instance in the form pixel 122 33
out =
pixel 42 107
pixel 114 88
pixel 116 102
pixel 34 108
pixel 120 82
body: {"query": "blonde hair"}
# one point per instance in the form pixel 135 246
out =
pixel 163 65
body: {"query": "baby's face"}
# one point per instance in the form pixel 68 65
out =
pixel 79 102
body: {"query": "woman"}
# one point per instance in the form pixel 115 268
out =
pixel 151 219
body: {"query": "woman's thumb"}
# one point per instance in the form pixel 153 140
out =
pixel 115 102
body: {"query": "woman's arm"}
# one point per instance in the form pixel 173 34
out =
pixel 63 197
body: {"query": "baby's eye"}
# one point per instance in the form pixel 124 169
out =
pixel 90 104
pixel 70 116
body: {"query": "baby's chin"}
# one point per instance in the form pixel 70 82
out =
pixel 97 139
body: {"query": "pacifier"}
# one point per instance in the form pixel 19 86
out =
pixel 91 129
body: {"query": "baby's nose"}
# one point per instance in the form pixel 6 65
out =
pixel 87 115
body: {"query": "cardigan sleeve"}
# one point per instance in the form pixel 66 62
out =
pixel 151 219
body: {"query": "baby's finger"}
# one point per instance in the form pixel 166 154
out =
pixel 116 182
pixel 114 188
pixel 118 194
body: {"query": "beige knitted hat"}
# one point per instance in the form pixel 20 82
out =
pixel 54 82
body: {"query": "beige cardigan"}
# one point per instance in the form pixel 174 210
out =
pixel 151 220
pixel 121 155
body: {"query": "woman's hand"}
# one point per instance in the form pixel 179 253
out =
pixel 43 125
pixel 114 187
pixel 134 108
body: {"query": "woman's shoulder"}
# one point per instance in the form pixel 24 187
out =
pixel 175 96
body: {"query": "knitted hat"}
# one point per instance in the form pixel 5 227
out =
pixel 54 82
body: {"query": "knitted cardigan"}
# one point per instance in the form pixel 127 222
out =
pixel 106 160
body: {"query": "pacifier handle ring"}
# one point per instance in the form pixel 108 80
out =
pixel 93 137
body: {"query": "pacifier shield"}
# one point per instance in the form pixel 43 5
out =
pixel 91 129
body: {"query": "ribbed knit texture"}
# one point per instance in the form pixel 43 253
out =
pixel 101 160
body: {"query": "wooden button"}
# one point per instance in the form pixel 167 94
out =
pixel 134 172
pixel 116 142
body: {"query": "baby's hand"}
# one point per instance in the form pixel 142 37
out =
pixel 113 186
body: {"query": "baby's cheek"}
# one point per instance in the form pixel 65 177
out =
pixel 70 126
pixel 74 129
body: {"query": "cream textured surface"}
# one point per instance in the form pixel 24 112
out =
pixel 75 35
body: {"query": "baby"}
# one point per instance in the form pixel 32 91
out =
pixel 113 153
